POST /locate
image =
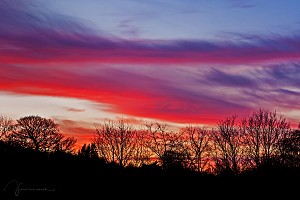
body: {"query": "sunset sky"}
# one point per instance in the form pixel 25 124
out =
pixel 80 62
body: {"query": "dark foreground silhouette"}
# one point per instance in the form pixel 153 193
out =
pixel 26 174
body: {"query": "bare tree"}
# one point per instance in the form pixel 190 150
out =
pixel 199 145
pixel 40 134
pixel 142 153
pixel 263 131
pixel 167 146
pixel 6 127
pixel 227 146
pixel 115 141
pixel 290 149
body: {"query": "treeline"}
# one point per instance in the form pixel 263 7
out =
pixel 260 141
pixel 123 160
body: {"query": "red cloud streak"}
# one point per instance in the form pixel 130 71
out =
pixel 131 94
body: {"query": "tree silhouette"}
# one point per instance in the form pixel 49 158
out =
pixel 199 146
pixel 141 154
pixel 165 144
pixel 173 160
pixel 115 142
pixel 88 151
pixel 66 145
pixel 290 149
pixel 40 134
pixel 6 126
pixel 263 132
pixel 227 147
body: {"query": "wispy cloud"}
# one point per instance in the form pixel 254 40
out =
pixel 242 4
pixel 29 35
pixel 45 54
pixel 233 80
pixel 128 91
pixel 202 96
pixel 75 110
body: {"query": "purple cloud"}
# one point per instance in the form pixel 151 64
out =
pixel 33 35
pixel 233 80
